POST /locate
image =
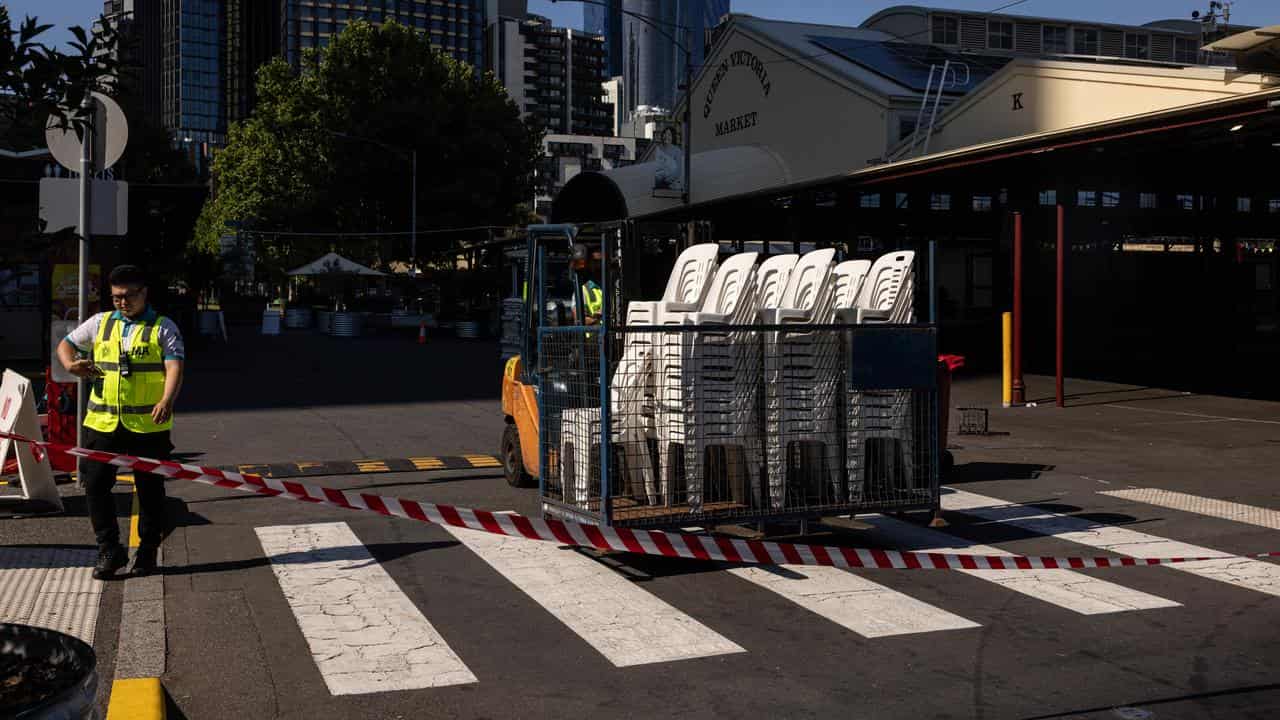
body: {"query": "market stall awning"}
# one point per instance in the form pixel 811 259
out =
pixel 334 264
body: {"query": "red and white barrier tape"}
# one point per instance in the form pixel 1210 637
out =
pixel 644 542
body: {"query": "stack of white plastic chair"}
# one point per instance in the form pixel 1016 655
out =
pixel 886 296
pixel 797 407
pixel 579 453
pixel 846 282
pixel 635 415
pixel 715 388
pixel 771 286
pixel 631 395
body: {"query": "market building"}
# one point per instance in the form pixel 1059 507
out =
pixel 1170 224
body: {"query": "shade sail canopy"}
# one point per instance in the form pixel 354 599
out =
pixel 334 264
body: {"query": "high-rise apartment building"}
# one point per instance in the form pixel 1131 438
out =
pixel 455 26
pixel 253 37
pixel 193 36
pixel 196 60
pixel 643 40
pixel 553 74
pixel 137 24
pixel 700 16
pixel 606 21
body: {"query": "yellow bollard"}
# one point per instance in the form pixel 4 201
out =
pixel 1006 375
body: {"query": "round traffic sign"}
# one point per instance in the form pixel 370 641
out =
pixel 108 140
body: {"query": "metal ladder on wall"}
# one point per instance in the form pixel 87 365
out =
pixel 944 81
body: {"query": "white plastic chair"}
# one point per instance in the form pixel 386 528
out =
pixel 846 282
pixel 887 292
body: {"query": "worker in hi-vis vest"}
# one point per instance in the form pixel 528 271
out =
pixel 134 370
pixel 588 267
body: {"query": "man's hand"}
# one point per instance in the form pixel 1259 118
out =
pixel 84 368
pixel 162 411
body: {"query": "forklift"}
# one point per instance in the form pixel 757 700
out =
pixel 551 286
pixel 552 291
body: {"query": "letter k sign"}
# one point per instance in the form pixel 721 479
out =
pixel 1017 101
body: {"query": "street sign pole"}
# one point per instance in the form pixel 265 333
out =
pixel 82 301
pixel 413 223
pixel 105 133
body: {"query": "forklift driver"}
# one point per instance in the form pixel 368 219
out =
pixel 587 265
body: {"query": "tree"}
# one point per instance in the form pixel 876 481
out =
pixel 322 149
pixel 37 82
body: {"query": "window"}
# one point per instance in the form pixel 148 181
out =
pixel 1147 201
pixel 1110 198
pixel 1086 41
pixel 982 203
pixel 946 30
pixel 1054 39
pixel 940 201
pixel 1244 204
pixel 1087 198
pixel 869 200
pixel 999 35
pixel 1186 50
pixel 1137 46
pixel 900 201
pixel 1048 197
pixel 1273 205
pixel 1185 201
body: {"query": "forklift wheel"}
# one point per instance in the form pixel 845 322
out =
pixel 512 462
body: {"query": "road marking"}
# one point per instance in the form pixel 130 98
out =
pixel 483 460
pixel 852 602
pixel 1199 415
pixel 50 588
pixel 365 634
pixel 1074 591
pixel 1233 570
pixel 136 699
pixel 625 623
pixel 134 539
pixel 1212 507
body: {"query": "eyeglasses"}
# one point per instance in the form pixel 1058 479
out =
pixel 125 297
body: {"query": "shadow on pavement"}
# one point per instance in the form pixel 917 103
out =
pixel 984 471
pixel 381 552
pixel 238 495
pixel 1110 709
pixel 1114 400
pixel 299 369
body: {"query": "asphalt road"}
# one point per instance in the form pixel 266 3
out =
pixel 1204 647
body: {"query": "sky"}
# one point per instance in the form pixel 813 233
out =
pixel 64 13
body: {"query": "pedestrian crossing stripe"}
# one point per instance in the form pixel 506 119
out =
pixel 368 466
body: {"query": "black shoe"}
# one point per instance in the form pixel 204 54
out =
pixel 144 560
pixel 110 559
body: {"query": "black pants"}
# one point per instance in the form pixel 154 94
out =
pixel 99 478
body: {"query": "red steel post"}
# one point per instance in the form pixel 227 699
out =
pixel 1019 390
pixel 1061 244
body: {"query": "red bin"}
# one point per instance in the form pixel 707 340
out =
pixel 947 365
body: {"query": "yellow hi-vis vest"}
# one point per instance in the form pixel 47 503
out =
pixel 117 398
pixel 593 298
